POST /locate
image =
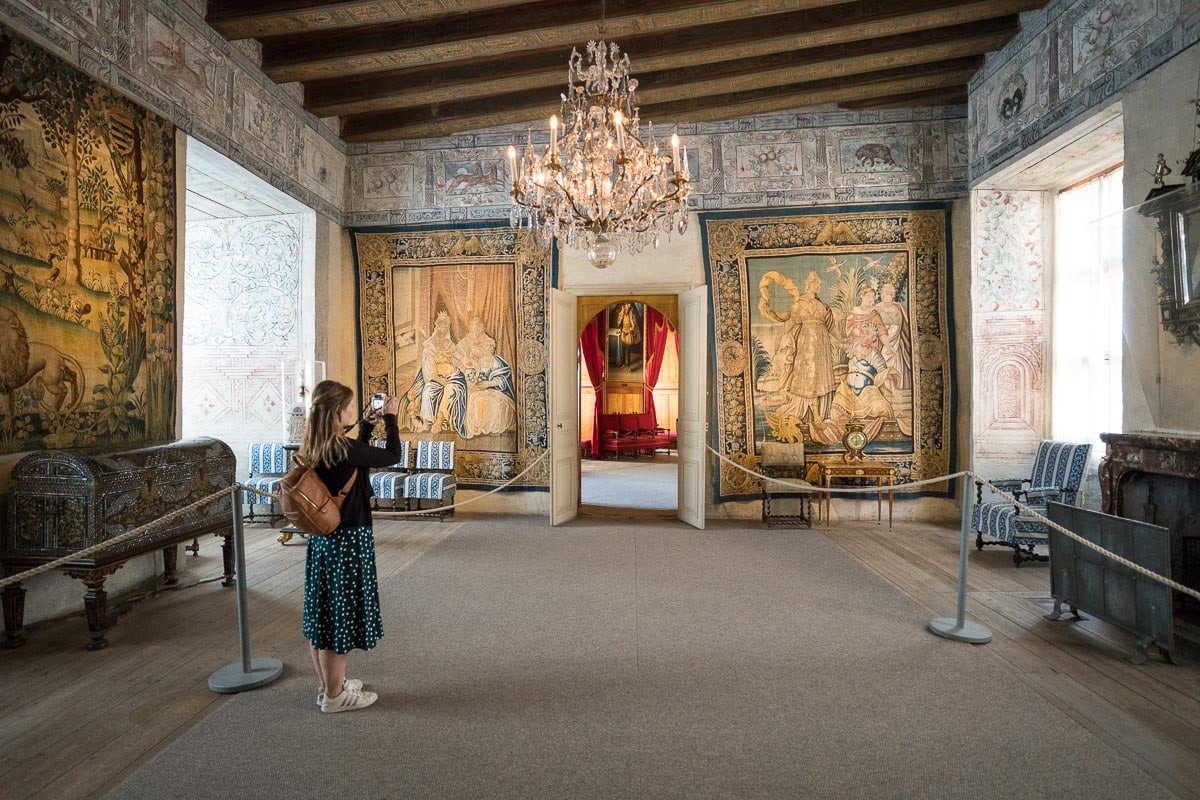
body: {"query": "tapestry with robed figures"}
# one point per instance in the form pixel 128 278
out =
pixel 825 318
pixel 87 259
pixel 453 322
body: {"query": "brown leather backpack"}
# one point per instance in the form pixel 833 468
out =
pixel 307 503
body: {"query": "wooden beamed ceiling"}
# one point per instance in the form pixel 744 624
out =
pixel 451 66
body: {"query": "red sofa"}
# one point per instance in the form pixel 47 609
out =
pixel 631 433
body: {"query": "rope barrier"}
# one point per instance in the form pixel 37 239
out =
pixel 58 562
pixel 1024 508
pixel 426 512
pixel 805 486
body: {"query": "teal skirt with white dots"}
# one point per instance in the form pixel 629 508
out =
pixel 341 591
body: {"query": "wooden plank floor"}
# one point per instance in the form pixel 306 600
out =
pixel 1149 713
pixel 74 723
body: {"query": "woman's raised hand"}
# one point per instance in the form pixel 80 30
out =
pixel 391 404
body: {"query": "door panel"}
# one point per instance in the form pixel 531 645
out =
pixel 564 408
pixel 693 403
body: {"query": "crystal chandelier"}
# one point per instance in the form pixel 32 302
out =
pixel 598 184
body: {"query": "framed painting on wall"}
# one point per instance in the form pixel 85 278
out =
pixel 625 358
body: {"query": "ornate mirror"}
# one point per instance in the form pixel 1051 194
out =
pixel 1178 262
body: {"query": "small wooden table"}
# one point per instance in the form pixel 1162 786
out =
pixel 837 470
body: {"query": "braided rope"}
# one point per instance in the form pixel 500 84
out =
pixel 803 487
pixel 1024 508
pixel 1179 587
pixel 58 562
pixel 439 509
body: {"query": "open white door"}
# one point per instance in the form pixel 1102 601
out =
pixel 693 400
pixel 564 408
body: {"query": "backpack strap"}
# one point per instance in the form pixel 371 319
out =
pixel 342 494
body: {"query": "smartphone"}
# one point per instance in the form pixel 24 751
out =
pixel 377 401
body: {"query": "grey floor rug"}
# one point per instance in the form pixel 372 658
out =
pixel 603 660
pixel 629 483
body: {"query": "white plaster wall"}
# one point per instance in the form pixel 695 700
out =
pixel 673 266
pixel 1158 119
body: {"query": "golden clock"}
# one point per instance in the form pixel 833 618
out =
pixel 854 440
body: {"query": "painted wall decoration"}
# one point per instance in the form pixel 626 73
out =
pixel 1010 330
pixel 453 321
pixel 1070 58
pixel 241 322
pixel 87 259
pixel 166 58
pixel 824 316
pixel 811 158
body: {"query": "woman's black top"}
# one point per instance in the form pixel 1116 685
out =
pixel 356 508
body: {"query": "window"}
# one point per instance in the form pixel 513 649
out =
pixel 1086 311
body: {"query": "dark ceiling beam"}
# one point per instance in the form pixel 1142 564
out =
pixel 701 45
pixel 239 19
pixel 790 98
pixel 727 78
pixel 424 122
pixel 953 96
pixel 534 26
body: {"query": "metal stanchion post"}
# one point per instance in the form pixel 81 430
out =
pixel 958 628
pixel 248 673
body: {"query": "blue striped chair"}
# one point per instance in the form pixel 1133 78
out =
pixel 268 465
pixel 387 484
pixel 1058 472
pixel 433 479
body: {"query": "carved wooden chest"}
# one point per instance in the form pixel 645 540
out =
pixel 63 501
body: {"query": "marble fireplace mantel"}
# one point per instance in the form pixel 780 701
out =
pixel 1148 452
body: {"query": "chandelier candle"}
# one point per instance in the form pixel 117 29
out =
pixel 598 184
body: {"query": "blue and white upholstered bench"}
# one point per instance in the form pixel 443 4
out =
pixel 1057 474
pixel 387 484
pixel 268 465
pixel 433 479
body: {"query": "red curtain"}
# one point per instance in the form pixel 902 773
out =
pixel 657 330
pixel 591 344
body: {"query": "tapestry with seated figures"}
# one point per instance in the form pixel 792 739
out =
pixel 453 322
pixel 825 318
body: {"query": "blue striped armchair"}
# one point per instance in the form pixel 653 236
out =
pixel 1057 474
pixel 268 463
pixel 387 484
pixel 433 478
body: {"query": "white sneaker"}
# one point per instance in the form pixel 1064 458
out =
pixel 347 683
pixel 348 700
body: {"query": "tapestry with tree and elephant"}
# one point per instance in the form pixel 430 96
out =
pixel 87 259
pixel 825 318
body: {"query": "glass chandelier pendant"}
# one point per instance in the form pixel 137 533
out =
pixel 597 184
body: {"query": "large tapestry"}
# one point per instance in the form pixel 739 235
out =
pixel 87 259
pixel 453 321
pixel 824 317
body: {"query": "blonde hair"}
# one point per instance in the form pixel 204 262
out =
pixel 324 440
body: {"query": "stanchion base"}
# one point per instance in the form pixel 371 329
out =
pixel 970 631
pixel 230 679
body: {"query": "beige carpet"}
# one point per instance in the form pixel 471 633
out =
pixel 650 661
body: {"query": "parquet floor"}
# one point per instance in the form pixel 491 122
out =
pixel 74 723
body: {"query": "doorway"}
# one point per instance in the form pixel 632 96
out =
pixel 569 316
pixel 628 402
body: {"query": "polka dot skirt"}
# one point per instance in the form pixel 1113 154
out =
pixel 341 592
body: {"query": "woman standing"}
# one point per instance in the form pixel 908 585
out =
pixel 341 595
